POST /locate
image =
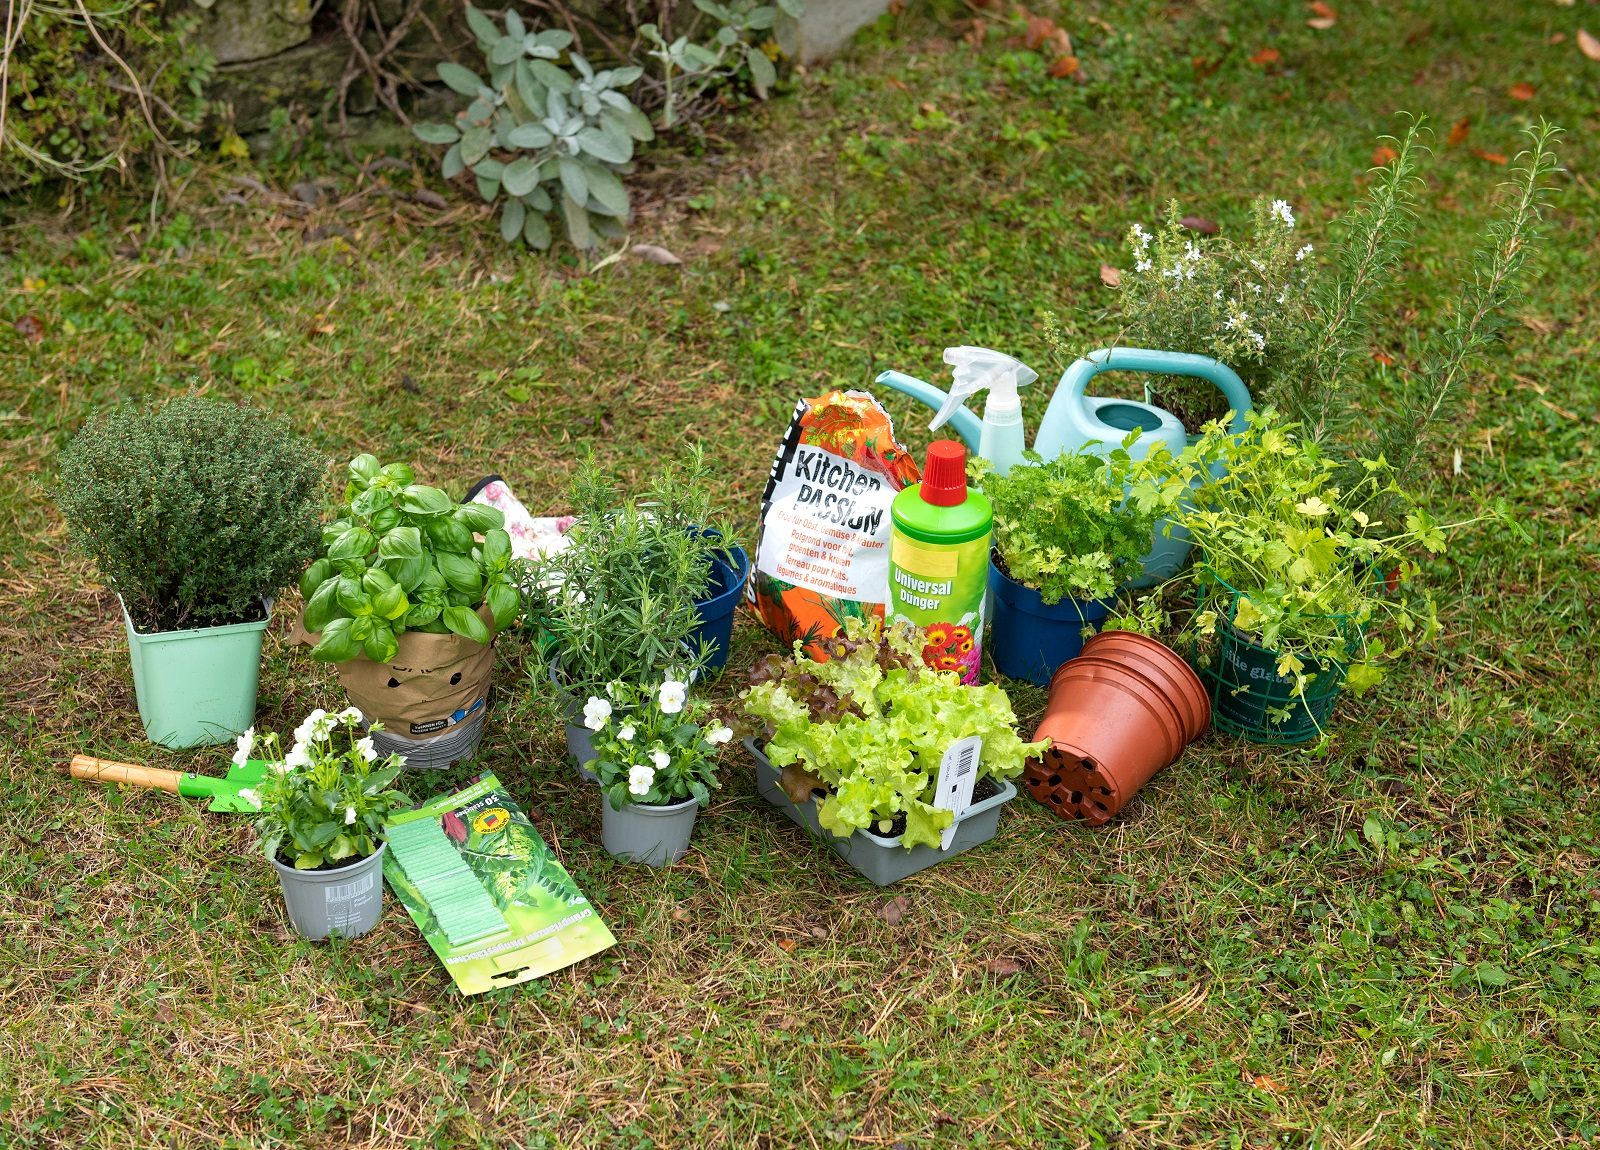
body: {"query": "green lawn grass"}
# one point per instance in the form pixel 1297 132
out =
pixel 1393 945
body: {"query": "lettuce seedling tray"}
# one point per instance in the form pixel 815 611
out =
pixel 878 859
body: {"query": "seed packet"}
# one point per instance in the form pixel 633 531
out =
pixel 823 553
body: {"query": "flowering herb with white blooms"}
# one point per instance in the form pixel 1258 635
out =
pixel 323 802
pixel 1242 301
pixel 654 744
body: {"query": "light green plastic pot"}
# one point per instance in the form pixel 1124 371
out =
pixel 196 687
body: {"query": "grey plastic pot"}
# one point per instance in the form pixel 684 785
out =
pixel 580 739
pixel 878 859
pixel 437 753
pixel 347 901
pixel 648 834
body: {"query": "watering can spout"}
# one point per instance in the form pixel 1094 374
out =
pixel 968 426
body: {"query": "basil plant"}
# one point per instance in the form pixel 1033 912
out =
pixel 402 557
pixel 541 138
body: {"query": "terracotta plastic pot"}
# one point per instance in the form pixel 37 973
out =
pixel 1120 712
pixel 1155 660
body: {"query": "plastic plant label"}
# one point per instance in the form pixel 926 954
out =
pixel 958 772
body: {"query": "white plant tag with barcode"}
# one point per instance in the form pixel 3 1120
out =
pixel 958 771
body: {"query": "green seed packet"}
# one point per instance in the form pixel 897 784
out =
pixel 486 892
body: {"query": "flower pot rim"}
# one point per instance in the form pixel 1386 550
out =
pixel 1050 609
pixel 266 601
pixel 1174 729
pixel 739 574
pixel 654 808
pixel 328 875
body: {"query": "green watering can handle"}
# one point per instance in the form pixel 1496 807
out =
pixel 1162 363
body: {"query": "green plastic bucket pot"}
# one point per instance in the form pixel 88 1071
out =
pixel 1250 698
pixel 196 687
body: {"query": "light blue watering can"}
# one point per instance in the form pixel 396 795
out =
pixel 1075 421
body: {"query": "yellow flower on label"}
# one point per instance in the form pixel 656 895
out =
pixel 1313 507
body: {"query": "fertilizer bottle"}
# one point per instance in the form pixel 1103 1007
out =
pixel 939 560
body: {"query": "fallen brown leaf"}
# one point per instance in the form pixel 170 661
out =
pixel 1110 276
pixel 652 253
pixel 1458 131
pixel 1558 38
pixel 1266 56
pixel 1588 45
pixel 1262 1082
pixel 1063 42
pixel 894 910
pixel 1383 155
pixel 1064 67
pixel 1200 224
pixel 1520 91
pixel 1384 358
pixel 1003 967
pixel 1491 157
pixel 1318 8
pixel 1321 23
pixel 30 327
pixel 786 945
pixel 1040 29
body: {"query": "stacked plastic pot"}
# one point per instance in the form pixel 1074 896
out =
pixel 1118 713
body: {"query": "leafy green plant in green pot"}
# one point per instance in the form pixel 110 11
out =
pixel 622 602
pixel 1307 575
pixel 197 513
pixel 406 598
pixel 655 760
pixel 322 809
pixel 854 747
pixel 1065 538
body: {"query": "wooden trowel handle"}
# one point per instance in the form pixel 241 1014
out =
pixel 110 771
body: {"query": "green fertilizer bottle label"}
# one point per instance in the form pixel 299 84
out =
pixel 939 562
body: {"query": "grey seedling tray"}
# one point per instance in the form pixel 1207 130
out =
pixel 877 859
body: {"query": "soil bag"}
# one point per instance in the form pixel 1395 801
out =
pixel 823 553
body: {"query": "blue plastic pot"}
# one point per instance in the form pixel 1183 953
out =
pixel 728 574
pixel 1030 639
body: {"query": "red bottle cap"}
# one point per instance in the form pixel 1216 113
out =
pixel 944 480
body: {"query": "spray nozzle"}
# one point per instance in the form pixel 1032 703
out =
pixel 976 368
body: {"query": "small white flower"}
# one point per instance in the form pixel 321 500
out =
pixel 251 796
pixel 595 713
pixel 1302 253
pixel 1142 265
pixel 318 725
pixel 627 733
pixel 1281 296
pixel 350 716
pixel 640 780
pixel 1258 339
pixel 1191 251
pixel 247 743
pixel 1141 238
pixel 1217 294
pixel 579 598
pixel 280 768
pixel 661 759
pixel 719 734
pixel 349 816
pixel 1237 322
pixel 672 695
pixel 1175 272
pixel 1313 507
pixel 1259 266
pixel 1256 288
pixel 366 749
pixel 1283 211
pixel 298 756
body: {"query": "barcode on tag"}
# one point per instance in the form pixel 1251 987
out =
pixel 968 759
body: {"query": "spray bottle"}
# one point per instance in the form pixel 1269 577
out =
pixel 939 560
pixel 1003 440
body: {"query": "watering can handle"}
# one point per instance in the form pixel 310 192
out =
pixel 1203 367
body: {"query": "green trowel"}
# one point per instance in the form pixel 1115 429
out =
pixel 224 793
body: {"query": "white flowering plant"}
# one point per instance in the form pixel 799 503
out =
pixel 1295 556
pixel 323 803
pixel 1245 302
pixel 654 745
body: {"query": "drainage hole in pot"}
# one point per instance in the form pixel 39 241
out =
pixel 456 678
pixel 1075 798
pixel 1055 780
pixel 393 682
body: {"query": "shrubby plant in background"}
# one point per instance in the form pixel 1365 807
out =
pixel 547 133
